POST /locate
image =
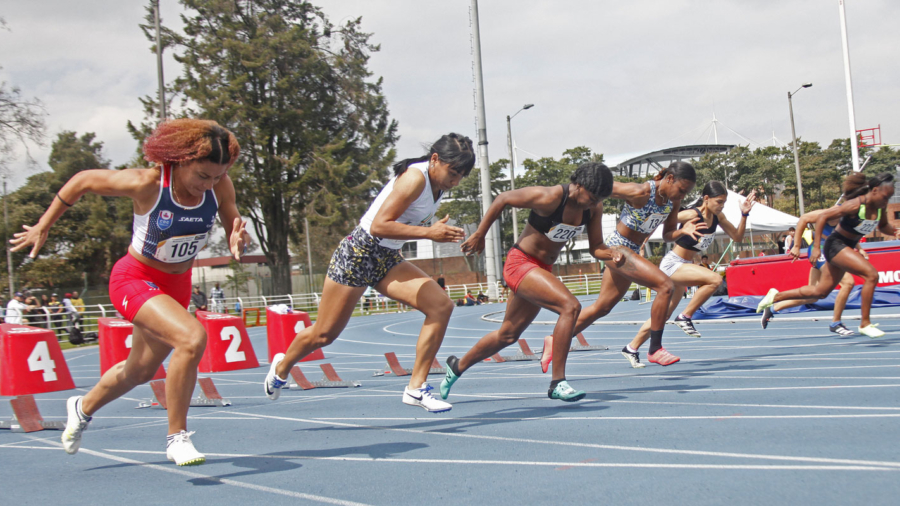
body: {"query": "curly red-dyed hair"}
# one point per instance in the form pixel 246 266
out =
pixel 184 140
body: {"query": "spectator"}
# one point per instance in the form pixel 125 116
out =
pixel 367 299
pixel 237 307
pixel 71 312
pixel 789 239
pixel 77 302
pixel 56 312
pixel 481 297
pixel 468 300
pixel 218 299
pixel 704 261
pixel 15 310
pixel 198 299
pixel 35 316
pixel 442 283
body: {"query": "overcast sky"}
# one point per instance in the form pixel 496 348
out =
pixel 622 78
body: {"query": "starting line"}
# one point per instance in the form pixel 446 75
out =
pixel 488 317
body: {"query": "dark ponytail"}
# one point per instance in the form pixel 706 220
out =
pixel 595 178
pixel 453 149
pixel 856 184
pixel 711 189
pixel 681 170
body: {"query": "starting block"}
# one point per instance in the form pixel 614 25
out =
pixel 331 379
pixel 524 354
pixel 393 366
pixel 27 418
pixel 584 346
pixel 209 395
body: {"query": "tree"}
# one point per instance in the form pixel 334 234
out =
pixel 238 278
pixel 21 120
pixel 314 130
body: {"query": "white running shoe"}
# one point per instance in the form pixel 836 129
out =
pixel 422 397
pixel 871 330
pixel 274 384
pixel 181 450
pixel 75 425
pixel 633 358
pixel 768 300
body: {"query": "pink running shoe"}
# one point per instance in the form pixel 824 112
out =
pixel 663 357
pixel 547 354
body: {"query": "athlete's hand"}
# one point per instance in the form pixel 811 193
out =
pixel 472 245
pixel 795 252
pixel 748 203
pixel 240 239
pixel 616 257
pixel 863 253
pixel 814 256
pixel 36 235
pixel 441 232
pixel 694 228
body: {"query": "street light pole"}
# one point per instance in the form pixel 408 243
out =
pixel 796 154
pixel 512 172
pixel 159 64
pixel 12 279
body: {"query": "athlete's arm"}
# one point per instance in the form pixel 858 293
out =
pixel 141 185
pixel 541 198
pixel 407 188
pixel 849 207
pixel 235 227
pixel 691 228
pixel 737 234
pixel 598 248
pixel 802 223
pixel 630 192
pixel 886 228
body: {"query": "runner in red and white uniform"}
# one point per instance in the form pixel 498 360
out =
pixel 175 207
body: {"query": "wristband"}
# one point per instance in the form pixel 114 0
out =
pixel 63 201
pixel 745 215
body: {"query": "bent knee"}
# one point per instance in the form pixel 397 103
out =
pixel 194 342
pixel 665 288
pixel 440 310
pixel 571 308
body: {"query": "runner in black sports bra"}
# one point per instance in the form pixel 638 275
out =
pixel 860 215
pixel 575 206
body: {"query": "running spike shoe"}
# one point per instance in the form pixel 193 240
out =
pixel 766 317
pixel 566 393
pixel 871 330
pixel 633 358
pixel 274 384
pixel 75 425
pixel 181 450
pixel 423 398
pixel 547 354
pixel 685 324
pixel 662 357
pixel 768 300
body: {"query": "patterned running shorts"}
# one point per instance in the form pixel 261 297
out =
pixel 617 239
pixel 360 261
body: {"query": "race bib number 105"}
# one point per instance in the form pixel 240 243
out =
pixel 181 248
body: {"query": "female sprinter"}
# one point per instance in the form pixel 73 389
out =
pixel 677 264
pixel 370 256
pixel 558 213
pixel 815 273
pixel 647 205
pixel 859 216
pixel 175 207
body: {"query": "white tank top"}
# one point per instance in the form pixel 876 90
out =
pixel 418 214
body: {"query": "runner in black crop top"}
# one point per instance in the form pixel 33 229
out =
pixel 688 242
pixel 858 217
pixel 528 267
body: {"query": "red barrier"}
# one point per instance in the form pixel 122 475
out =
pixel 31 361
pixel 281 329
pixel 228 346
pixel 755 276
pixel 115 344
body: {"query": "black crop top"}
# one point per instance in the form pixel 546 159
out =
pixel 553 227
pixel 688 242
pixel 858 224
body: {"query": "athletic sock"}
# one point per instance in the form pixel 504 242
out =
pixel 835 324
pixel 682 317
pixel 80 413
pixel 453 364
pixel 629 349
pixel 655 341
pixel 554 383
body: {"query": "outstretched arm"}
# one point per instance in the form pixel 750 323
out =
pixel 531 197
pixel 138 184
pixel 235 227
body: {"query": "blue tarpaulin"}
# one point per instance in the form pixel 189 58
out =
pixel 746 305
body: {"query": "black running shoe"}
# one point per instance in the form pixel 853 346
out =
pixel 841 330
pixel 687 326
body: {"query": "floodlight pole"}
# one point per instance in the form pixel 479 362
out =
pixel 159 64
pixel 796 154
pixel 12 279
pixel 490 260
pixel 854 144
pixel 512 164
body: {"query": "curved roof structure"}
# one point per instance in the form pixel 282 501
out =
pixel 653 162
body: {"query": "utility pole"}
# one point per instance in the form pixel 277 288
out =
pixel 845 43
pixel 159 64
pixel 12 279
pixel 490 257
pixel 308 254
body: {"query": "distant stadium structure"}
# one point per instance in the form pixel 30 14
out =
pixel 650 163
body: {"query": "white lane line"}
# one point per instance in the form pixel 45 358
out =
pixel 225 481
pixel 739 405
pixel 533 463
pixel 730 416
pixel 820 460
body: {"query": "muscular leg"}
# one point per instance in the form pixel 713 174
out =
pixel 840 302
pixel 161 325
pixel 335 309
pixel 849 260
pixel 519 314
pixel 408 285
pixel 830 274
pixel 695 275
pixel 612 287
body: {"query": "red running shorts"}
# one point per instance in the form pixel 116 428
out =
pixel 518 264
pixel 132 283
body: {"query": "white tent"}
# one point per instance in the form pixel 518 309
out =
pixel 763 219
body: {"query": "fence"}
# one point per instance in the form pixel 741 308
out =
pixel 253 309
